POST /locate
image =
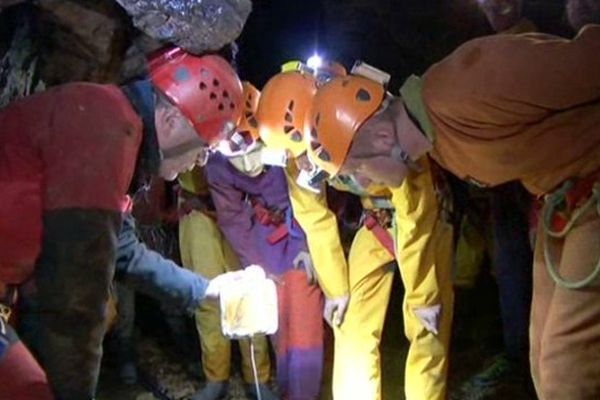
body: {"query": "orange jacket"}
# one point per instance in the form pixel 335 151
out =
pixel 518 107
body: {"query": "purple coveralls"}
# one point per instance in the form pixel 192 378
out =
pixel 299 340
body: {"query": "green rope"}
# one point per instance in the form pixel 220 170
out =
pixel 553 201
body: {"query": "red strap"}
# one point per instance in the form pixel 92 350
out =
pixel 579 193
pixel 278 234
pixel 126 204
pixel 184 209
pixel 382 235
pixel 263 215
pixel 559 222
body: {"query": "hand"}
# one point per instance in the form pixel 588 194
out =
pixel 430 317
pixel 335 310
pixel 254 272
pixel 216 285
pixel 304 261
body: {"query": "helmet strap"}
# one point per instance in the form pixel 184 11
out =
pixel 402 156
pixel 183 148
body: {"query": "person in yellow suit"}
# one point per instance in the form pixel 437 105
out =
pixel 205 250
pixel 402 224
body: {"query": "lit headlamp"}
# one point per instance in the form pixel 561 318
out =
pixel 314 62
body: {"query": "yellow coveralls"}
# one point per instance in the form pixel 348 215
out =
pixel 205 251
pixel 423 243
pixel 474 240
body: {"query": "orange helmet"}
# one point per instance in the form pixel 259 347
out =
pixel 328 70
pixel 245 137
pixel 205 88
pixel 248 124
pixel 338 110
pixel 282 108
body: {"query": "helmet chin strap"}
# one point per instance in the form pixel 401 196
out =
pixel 183 148
pixel 402 156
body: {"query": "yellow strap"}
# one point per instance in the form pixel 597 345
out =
pixel 291 66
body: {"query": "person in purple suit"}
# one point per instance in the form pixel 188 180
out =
pixel 254 213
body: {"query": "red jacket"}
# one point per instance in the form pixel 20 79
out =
pixel 73 146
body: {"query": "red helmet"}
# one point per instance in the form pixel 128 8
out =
pixel 205 88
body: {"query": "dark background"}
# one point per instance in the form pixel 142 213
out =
pixel 398 36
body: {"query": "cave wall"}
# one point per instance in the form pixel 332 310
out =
pixel 106 40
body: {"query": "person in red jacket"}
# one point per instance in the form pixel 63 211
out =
pixel 68 158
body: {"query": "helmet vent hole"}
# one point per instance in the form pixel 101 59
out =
pixel 202 86
pixel 225 94
pixel 248 105
pixel 314 145
pixel 288 128
pixel 296 136
pixel 288 117
pixel 291 106
pixel 363 95
pixel 231 105
pixel 318 119
pixel 221 106
pixel 252 122
pixel 313 133
pixel 213 96
pixel 324 155
pixel 215 82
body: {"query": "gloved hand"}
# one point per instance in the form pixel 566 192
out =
pixel 335 310
pixel 216 285
pixel 430 317
pixel 303 260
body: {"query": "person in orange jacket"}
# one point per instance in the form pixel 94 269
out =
pixel 69 157
pixel 510 250
pixel 498 109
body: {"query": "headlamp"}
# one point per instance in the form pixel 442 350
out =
pixel 315 62
pixel 363 69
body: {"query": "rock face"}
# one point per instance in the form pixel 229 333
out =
pixel 18 72
pixel 81 40
pixel 95 40
pixel 196 25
